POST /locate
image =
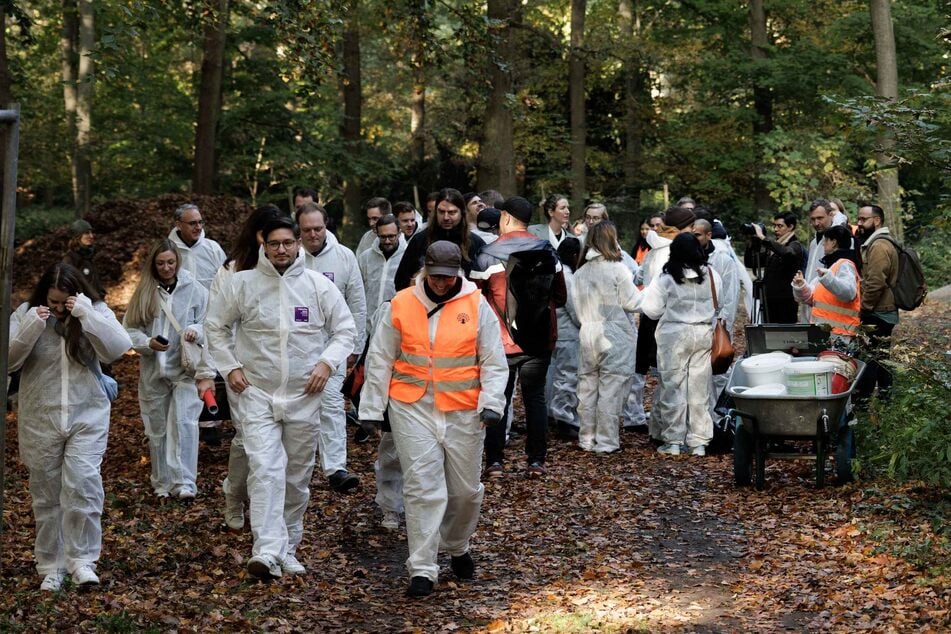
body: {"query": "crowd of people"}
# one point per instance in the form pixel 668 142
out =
pixel 437 323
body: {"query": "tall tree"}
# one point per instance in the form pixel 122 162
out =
pixel 419 35
pixel 351 88
pixel 576 80
pixel 76 45
pixel 636 98
pixel 762 97
pixel 209 95
pixel 886 87
pixel 5 79
pixel 497 151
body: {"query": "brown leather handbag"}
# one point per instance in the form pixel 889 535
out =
pixel 722 352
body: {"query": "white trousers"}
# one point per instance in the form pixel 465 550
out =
pixel 441 457
pixel 389 477
pixel 563 383
pixel 682 400
pixel 601 399
pixel 235 483
pixel 170 411
pixel 333 425
pixel 634 405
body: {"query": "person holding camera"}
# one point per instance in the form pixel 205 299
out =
pixel 784 259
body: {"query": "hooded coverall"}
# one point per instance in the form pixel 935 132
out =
pixel 202 259
pixel 286 325
pixel 378 273
pixel 63 424
pixel 563 372
pixel 168 397
pixel 440 452
pixel 603 293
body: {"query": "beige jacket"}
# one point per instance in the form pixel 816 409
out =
pixel 879 273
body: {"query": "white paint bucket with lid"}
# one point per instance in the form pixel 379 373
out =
pixel 809 378
pixel 764 369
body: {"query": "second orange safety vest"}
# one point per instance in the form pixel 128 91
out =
pixel 843 316
pixel 450 364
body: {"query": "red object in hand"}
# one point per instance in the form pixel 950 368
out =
pixel 209 398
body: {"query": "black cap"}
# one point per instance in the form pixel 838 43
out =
pixel 488 219
pixel 518 208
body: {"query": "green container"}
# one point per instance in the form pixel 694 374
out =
pixel 808 378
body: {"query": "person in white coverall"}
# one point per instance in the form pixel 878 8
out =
pixel 58 339
pixel 603 294
pixel 378 265
pixel 322 253
pixel 201 256
pixel 681 299
pixel 436 359
pixel 293 328
pixel 169 396
pixel 562 386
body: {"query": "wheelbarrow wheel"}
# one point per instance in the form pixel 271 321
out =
pixel 742 456
pixel 844 453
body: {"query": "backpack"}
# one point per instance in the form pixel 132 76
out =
pixel 910 288
pixel 529 316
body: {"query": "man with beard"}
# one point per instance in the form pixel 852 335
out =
pixel 378 264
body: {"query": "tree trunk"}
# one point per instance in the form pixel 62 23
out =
pixel 496 168
pixel 576 79
pixel 68 46
pixel 209 97
pixel 350 129
pixel 6 94
pixel 762 98
pixel 886 86
pixel 84 95
pixel 419 32
pixel 636 101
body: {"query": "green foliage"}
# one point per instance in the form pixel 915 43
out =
pixel 37 220
pixel 932 249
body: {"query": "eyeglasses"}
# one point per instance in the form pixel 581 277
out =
pixel 863 218
pixel 395 236
pixel 274 245
pixel 193 223
pixel 588 218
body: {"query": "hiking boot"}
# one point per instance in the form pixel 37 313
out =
pixel 391 520
pixel 290 566
pixel 699 450
pixel 53 582
pixel 494 471
pixel 85 576
pixel 361 435
pixel 536 470
pixel 463 566
pixel 669 449
pixel 264 567
pixel 420 587
pixel 342 481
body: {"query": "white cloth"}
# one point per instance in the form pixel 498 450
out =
pixel 202 259
pixel 378 274
pixel 286 325
pixel 62 424
pixel 366 241
pixel 603 294
pixel 168 397
pixel 653 264
pixel 684 337
pixel 562 380
pixel 389 476
pixel 440 453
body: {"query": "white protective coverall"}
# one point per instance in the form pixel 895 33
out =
pixel 286 324
pixel 633 413
pixel 386 467
pixel 202 259
pixel 562 386
pixel 338 264
pixel 168 396
pixel 723 260
pixel 603 294
pixel 62 425
pixel 378 273
pixel 651 267
pixel 684 338
pixel 440 452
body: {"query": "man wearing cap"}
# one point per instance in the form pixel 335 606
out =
pixel 81 251
pixel 487 224
pixel 436 360
pixel 530 369
pixel 201 256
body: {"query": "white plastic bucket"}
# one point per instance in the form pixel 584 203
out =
pixel 770 389
pixel 809 378
pixel 764 369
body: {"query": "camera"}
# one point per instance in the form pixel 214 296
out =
pixel 748 228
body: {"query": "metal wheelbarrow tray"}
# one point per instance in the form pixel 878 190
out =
pixel 762 419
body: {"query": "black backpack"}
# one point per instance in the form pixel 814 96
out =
pixel 910 288
pixel 529 316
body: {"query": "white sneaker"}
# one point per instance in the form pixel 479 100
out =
pixel 234 513
pixel 391 520
pixel 670 450
pixel 699 450
pixel 290 566
pixel 85 576
pixel 53 582
pixel 264 567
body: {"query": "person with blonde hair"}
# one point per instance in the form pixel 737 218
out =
pixel 167 307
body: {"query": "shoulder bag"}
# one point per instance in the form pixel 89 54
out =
pixel 722 352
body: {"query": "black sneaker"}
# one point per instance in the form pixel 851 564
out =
pixel 342 481
pixel 463 566
pixel 361 436
pixel 419 587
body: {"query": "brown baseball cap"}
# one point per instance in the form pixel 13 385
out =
pixel 443 258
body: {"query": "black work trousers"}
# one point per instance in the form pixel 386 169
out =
pixel 531 372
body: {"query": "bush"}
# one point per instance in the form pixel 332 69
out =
pixel 36 220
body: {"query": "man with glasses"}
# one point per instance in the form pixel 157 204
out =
pixel 201 256
pixel 378 264
pixel 278 332
pixel 375 209
pixel 324 254
pixel 785 257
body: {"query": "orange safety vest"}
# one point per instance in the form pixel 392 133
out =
pixel 843 316
pixel 451 363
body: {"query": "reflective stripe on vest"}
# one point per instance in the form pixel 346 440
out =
pixel 451 365
pixel 843 316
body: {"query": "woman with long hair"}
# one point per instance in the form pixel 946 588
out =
pixel 641 247
pixel 167 307
pixel 603 293
pixel 835 291
pixel 681 299
pixel 243 257
pixel 58 338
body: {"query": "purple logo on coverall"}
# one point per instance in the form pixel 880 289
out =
pixel 301 313
pixel 329 275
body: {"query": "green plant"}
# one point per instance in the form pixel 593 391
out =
pixel 36 220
